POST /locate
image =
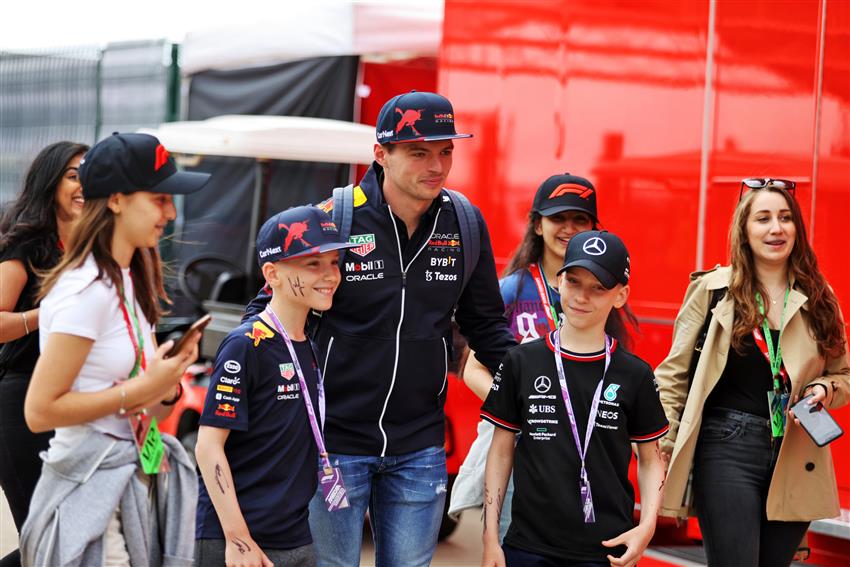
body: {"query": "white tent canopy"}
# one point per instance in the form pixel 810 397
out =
pixel 316 28
pixel 270 137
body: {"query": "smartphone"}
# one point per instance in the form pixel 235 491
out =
pixel 198 325
pixel 821 427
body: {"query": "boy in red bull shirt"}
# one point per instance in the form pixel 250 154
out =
pixel 260 430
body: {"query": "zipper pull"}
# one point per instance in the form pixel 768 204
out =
pixel 403 278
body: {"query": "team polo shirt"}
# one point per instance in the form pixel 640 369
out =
pixel 255 393
pixel 547 516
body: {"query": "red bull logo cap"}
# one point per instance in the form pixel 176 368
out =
pixel 126 163
pixel 295 232
pixel 565 192
pixel 417 117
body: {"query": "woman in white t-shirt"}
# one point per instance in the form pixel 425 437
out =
pixel 101 382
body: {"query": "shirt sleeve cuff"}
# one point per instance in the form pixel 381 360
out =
pixel 499 422
pixel 650 436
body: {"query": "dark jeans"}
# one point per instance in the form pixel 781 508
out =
pixel 20 465
pixel 210 553
pixel 515 557
pixel 733 466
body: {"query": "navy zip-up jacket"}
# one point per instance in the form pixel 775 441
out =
pixel 386 343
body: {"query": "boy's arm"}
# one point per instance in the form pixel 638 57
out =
pixel 240 547
pixel 651 484
pixel 500 460
pixel 477 377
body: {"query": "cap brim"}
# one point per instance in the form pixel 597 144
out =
pixel 181 183
pixel 554 210
pixel 605 277
pixel 433 138
pixel 321 248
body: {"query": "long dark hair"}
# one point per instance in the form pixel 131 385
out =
pixel 530 250
pixel 33 214
pixel 823 314
pixel 93 235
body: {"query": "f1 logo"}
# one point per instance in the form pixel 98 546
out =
pixel 574 188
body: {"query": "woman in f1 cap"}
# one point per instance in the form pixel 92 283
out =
pixel 101 382
pixel 563 206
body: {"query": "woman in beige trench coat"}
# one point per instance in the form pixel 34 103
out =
pixel 754 493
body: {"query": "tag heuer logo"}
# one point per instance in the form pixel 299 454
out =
pixel 287 370
pixel 366 243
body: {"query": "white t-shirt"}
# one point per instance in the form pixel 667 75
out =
pixel 81 305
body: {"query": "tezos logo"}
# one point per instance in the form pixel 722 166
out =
pixel 611 392
pixel 595 246
pixel 542 384
pixel 232 367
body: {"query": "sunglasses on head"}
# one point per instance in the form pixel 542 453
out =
pixel 762 182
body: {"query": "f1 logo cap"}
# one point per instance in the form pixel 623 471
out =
pixel 126 163
pixel 416 117
pixel 602 253
pixel 565 192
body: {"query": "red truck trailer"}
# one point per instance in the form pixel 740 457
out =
pixel 665 106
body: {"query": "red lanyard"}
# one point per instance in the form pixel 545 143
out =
pixel 543 292
pixel 136 338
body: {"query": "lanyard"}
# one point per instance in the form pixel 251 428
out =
pixel 136 337
pixel 311 414
pixel 765 342
pixel 584 482
pixel 543 292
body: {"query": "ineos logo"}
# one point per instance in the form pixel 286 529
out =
pixel 595 246
pixel 232 366
pixel 542 384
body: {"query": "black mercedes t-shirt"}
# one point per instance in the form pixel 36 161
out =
pixel 41 253
pixel 745 380
pixel 526 397
pixel 255 392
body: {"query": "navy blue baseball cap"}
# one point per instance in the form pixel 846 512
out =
pixel 126 163
pixel 416 117
pixel 295 232
pixel 565 192
pixel 602 253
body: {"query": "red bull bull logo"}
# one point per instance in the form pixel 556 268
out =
pixel 409 118
pixel 259 332
pixel 295 231
pixel 226 410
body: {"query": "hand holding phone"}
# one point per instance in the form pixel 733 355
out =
pixel 197 326
pixel 818 423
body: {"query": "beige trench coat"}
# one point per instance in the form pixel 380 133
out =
pixel 803 486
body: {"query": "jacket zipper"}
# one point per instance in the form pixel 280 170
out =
pixel 324 375
pixel 446 373
pixel 401 316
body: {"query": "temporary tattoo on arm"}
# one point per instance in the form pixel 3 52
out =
pixel 241 545
pixel 489 501
pixel 296 286
pixel 219 477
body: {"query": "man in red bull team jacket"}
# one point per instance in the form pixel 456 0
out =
pixel 386 342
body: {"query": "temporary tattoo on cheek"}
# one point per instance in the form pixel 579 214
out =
pixel 241 545
pixel 296 286
pixel 219 477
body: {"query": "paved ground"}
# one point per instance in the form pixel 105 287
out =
pixel 462 549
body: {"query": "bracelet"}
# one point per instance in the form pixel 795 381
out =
pixel 176 398
pixel 24 317
pixel 121 411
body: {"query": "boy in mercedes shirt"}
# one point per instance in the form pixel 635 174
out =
pixel 258 442
pixel 579 401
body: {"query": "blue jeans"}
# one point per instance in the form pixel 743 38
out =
pixel 733 466
pixel 405 495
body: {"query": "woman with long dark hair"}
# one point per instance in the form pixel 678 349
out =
pixel 102 383
pixel 776 335
pixel 563 206
pixel 33 230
